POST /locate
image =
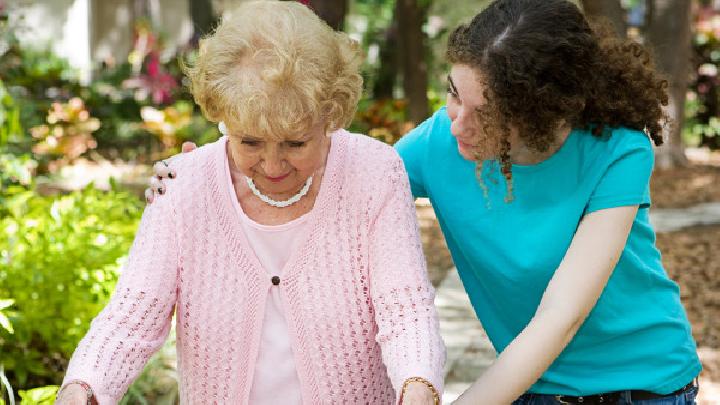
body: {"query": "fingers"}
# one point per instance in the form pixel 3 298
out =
pixel 149 195
pixel 188 147
pixel 162 169
pixel 157 186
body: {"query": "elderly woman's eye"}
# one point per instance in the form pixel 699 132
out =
pixel 250 142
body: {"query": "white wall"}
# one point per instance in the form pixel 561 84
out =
pixel 111 29
pixel 61 25
pixel 89 31
pixel 176 23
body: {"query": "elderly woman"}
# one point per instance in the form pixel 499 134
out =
pixel 288 249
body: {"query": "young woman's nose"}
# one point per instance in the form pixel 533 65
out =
pixel 462 122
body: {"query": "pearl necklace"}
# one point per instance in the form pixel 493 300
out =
pixel 279 204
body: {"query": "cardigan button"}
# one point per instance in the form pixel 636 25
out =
pixel 275 280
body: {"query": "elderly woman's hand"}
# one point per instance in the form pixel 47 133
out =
pixel 72 394
pixel 417 393
pixel 162 170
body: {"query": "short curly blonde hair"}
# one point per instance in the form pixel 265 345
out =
pixel 275 70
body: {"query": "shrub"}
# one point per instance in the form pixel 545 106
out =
pixel 59 261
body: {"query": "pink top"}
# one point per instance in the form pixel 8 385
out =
pixel 276 380
pixel 355 293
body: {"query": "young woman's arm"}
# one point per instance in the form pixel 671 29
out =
pixel 570 296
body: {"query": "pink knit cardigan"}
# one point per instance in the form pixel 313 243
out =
pixel 355 292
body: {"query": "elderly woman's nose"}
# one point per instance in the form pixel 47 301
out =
pixel 274 165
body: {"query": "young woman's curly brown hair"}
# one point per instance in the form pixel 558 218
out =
pixel 542 65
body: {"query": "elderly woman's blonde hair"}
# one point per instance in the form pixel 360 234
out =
pixel 274 70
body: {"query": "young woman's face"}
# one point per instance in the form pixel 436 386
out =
pixel 465 100
pixel 279 167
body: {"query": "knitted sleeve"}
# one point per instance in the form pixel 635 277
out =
pixel 136 321
pixel 402 295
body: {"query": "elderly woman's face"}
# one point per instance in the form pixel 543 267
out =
pixel 279 167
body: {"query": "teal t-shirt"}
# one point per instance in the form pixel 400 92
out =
pixel 638 335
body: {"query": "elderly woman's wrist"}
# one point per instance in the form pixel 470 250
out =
pixel 420 382
pixel 88 394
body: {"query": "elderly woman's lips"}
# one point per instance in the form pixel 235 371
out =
pixel 277 179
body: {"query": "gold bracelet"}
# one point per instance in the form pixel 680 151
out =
pixel 436 396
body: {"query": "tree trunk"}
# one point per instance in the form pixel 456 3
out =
pixel 388 64
pixel 669 36
pixel 203 18
pixel 411 49
pixel 331 11
pixel 610 10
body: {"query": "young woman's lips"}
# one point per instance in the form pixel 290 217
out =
pixel 463 144
pixel 277 179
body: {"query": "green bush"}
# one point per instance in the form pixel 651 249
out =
pixel 59 261
pixel 39 396
pixel 10 127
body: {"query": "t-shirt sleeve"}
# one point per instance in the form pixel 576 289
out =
pixel 626 180
pixel 412 148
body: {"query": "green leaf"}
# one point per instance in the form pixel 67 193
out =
pixel 39 396
pixel 5 323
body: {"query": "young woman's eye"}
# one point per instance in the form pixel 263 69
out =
pixel 296 144
pixel 451 92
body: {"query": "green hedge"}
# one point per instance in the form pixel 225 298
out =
pixel 59 261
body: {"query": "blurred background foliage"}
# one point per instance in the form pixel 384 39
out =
pixel 63 241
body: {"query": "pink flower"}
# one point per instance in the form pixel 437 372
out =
pixel 153 64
